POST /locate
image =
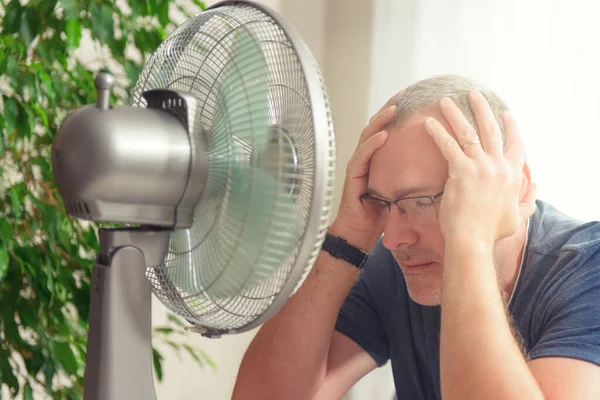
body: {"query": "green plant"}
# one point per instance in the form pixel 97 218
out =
pixel 45 256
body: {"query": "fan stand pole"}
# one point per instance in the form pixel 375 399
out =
pixel 119 347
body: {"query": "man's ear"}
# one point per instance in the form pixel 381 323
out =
pixel 528 193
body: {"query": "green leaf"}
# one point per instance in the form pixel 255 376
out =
pixel 73 31
pixel 207 359
pixel 133 71
pixel 176 348
pixel 3 261
pixel 30 25
pixel 163 13
pixel 102 22
pixel 157 359
pixel 147 40
pixel 15 203
pixel 165 331
pixel 10 22
pixel 63 353
pixel 65 233
pixel 49 370
pixel 138 8
pixel 46 6
pixel 193 354
pixel 118 46
pixel 199 4
pixel 26 122
pixel 5 231
pixel 151 6
pixel 175 319
pixel 12 66
pixel 71 8
pixel 8 376
pixel 41 113
pixel 11 113
pixel 27 392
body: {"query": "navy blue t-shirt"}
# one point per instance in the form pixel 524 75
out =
pixel 555 305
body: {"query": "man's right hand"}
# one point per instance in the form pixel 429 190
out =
pixel 356 223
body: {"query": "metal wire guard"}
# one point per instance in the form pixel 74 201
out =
pixel 264 115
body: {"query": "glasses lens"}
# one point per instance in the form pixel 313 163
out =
pixel 374 205
pixel 419 211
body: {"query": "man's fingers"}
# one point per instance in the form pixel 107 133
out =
pixel 466 136
pixel 377 124
pixel 446 143
pixel 359 164
pixel 489 130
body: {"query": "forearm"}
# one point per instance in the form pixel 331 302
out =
pixel 288 357
pixel 479 357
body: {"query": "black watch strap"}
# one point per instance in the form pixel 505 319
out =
pixel 339 248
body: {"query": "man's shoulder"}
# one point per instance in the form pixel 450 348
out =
pixel 562 258
pixel 553 233
pixel 556 301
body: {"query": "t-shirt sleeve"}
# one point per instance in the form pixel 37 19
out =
pixel 358 318
pixel 571 325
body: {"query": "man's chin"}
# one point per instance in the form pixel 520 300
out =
pixel 425 301
pixel 425 296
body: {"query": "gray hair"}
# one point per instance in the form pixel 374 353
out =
pixel 426 95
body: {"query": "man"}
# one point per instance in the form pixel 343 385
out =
pixel 476 290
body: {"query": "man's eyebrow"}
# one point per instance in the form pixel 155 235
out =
pixel 401 193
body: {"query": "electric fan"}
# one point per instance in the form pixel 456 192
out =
pixel 220 172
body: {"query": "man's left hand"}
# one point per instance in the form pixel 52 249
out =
pixel 484 196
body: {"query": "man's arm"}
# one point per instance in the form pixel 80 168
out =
pixel 288 358
pixel 479 357
pixel 347 364
pixel 492 365
pixel 566 378
pixel 297 354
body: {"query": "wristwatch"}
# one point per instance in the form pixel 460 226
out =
pixel 339 248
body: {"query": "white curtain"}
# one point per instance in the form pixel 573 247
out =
pixel 541 56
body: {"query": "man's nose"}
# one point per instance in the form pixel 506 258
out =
pixel 398 232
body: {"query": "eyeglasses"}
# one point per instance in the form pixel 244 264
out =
pixel 418 210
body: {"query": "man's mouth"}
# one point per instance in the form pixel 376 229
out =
pixel 414 264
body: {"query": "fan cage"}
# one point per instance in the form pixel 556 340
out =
pixel 194 59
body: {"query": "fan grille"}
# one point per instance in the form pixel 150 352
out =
pixel 256 113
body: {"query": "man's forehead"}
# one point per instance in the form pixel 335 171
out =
pixel 409 162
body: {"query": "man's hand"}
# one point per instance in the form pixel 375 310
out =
pixel 483 197
pixel 354 219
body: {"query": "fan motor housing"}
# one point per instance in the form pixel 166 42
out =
pixel 127 164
